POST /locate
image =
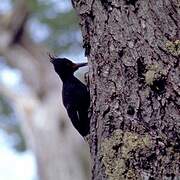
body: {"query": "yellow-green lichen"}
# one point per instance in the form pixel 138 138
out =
pixel 173 47
pixel 154 72
pixel 115 151
pixel 131 175
pixel 133 141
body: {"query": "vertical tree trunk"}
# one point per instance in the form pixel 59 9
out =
pixel 57 149
pixel 133 48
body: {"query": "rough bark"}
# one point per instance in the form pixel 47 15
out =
pixel 58 151
pixel 133 49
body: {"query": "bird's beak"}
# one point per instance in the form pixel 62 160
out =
pixel 78 65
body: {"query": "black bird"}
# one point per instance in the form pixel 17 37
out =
pixel 76 97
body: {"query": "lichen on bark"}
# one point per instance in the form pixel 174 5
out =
pixel 116 152
pixel 128 155
pixel 173 47
pixel 154 72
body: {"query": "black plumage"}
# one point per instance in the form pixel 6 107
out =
pixel 76 98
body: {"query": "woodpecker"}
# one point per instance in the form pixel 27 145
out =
pixel 75 95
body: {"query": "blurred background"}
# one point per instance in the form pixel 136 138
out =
pixel 37 140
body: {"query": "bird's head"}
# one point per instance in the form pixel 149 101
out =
pixel 65 67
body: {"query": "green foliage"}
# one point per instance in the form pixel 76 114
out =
pixel 63 31
pixel 20 145
pixel 62 22
pixel 5 107
pixel 61 25
pixel 36 7
pixel 9 125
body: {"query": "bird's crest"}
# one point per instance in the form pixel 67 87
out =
pixel 51 57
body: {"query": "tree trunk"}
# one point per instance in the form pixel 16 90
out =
pixel 133 49
pixel 58 151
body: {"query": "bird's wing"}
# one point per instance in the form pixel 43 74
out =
pixel 74 116
pixel 79 119
pixel 84 121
